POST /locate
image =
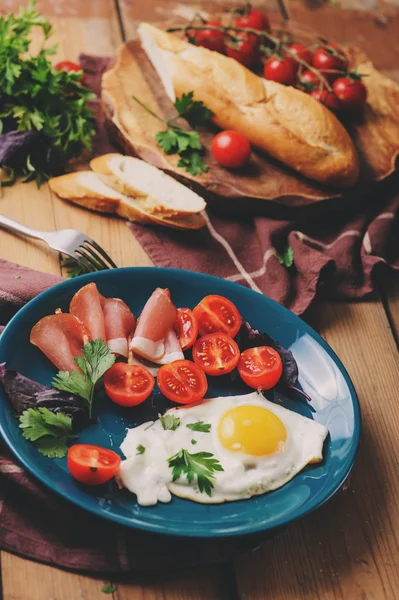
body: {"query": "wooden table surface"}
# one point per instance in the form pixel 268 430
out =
pixel 349 548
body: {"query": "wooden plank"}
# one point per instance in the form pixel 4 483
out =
pixel 347 548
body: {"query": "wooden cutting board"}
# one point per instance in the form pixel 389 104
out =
pixel 264 186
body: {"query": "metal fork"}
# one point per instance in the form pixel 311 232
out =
pixel 87 253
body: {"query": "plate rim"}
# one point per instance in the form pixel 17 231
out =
pixel 165 529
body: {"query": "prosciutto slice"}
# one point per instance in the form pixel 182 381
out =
pixel 173 349
pixel 119 323
pixel 156 320
pixel 86 306
pixel 60 337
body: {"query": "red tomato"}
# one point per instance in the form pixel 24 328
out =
pixel 260 368
pixel 208 38
pixel 217 314
pixel 253 19
pixel 245 50
pixel 216 354
pixel 330 58
pixel 182 381
pixel 231 149
pixel 302 52
pixel 186 328
pixel 309 80
pixel 92 465
pixel 128 385
pixel 329 99
pixel 351 92
pixel 70 67
pixel 282 70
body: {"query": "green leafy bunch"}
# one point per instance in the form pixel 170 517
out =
pixel 37 97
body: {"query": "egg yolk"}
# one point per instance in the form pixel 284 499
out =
pixel 251 429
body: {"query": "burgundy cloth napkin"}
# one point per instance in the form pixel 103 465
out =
pixel 336 255
pixel 37 523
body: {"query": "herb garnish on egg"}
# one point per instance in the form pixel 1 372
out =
pixel 202 464
pixel 200 426
pixel 169 421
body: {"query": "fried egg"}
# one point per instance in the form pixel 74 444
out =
pixel 260 446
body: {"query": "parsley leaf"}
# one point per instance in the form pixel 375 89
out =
pixel 201 465
pixel 194 163
pixel 140 449
pixel 286 258
pixel 193 111
pixel 168 141
pixel 108 588
pixel 97 358
pixel 169 421
pixel 49 431
pixel 199 426
pixel 194 442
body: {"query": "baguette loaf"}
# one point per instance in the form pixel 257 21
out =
pixel 87 189
pixel 283 121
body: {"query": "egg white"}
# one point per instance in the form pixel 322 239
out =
pixel 149 476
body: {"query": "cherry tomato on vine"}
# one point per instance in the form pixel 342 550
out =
pixel 330 58
pixel 186 328
pixel 208 38
pixel 309 80
pixel 128 385
pixel 302 52
pixel 217 314
pixel 351 92
pixel 282 70
pixel 260 368
pixel 329 99
pixel 231 149
pixel 244 49
pixel 216 354
pixel 92 465
pixel 182 381
pixel 70 67
pixel 253 19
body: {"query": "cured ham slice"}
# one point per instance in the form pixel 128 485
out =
pixel 60 337
pixel 173 349
pixel 119 323
pixel 156 319
pixel 86 306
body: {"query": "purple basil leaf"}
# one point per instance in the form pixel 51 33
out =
pixel 16 143
pixel 251 338
pixel 25 393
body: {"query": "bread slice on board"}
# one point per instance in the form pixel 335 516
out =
pixel 281 120
pixel 87 189
pixel 158 193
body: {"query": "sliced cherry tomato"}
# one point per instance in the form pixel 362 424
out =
pixel 329 99
pixel 282 70
pixel 244 49
pixel 253 19
pixel 231 149
pixel 182 381
pixel 351 92
pixel 70 67
pixel 217 314
pixel 302 52
pixel 128 385
pixel 260 368
pixel 216 354
pixel 186 328
pixel 207 38
pixel 330 58
pixel 92 465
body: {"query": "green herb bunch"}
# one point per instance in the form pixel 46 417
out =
pixel 45 108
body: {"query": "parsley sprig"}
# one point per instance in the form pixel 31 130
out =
pixel 177 140
pixel 199 426
pixel 169 422
pixel 97 358
pixel 201 465
pixel 49 431
pixel 45 108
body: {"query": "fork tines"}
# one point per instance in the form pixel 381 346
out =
pixel 93 257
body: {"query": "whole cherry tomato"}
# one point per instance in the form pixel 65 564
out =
pixel 351 92
pixel 231 149
pixel 207 38
pixel 330 58
pixel 245 49
pixel 253 19
pixel 92 465
pixel 309 80
pixel 302 52
pixel 70 67
pixel 282 70
pixel 329 99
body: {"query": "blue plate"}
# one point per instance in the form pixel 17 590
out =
pixel 322 376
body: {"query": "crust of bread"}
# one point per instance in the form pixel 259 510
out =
pixel 285 122
pixel 69 188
